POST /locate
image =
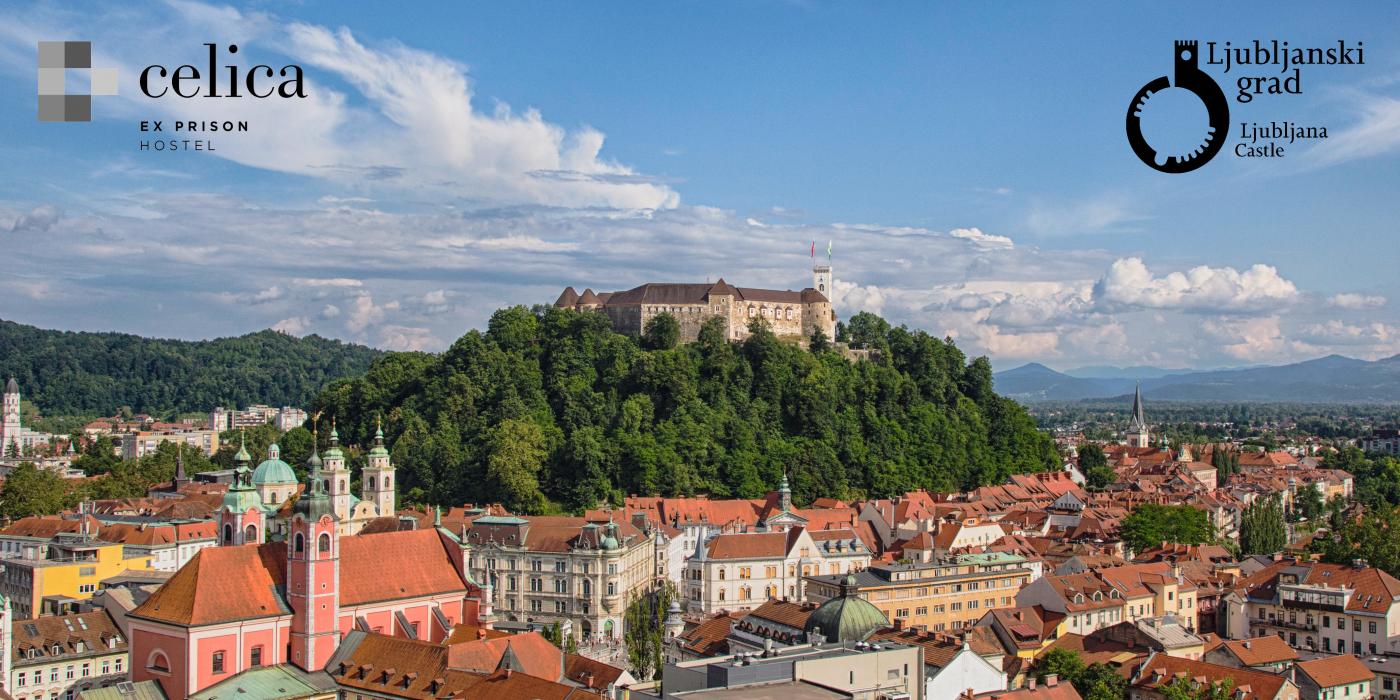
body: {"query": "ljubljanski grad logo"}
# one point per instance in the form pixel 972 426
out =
pixel 58 100
pixel 1189 77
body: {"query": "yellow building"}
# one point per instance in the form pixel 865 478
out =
pixel 941 595
pixel 74 567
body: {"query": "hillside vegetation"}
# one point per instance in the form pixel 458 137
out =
pixel 551 409
pixel 77 373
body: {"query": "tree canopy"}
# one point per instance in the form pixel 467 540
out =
pixel 549 408
pixel 1262 530
pixel 68 373
pixel 1150 524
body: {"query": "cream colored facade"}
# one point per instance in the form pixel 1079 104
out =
pixel 944 596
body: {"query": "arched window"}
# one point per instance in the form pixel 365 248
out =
pixel 721 595
pixel 250 534
pixel 371 483
pixel 323 543
pixel 298 543
pixel 342 485
pixel 388 483
pixel 158 662
pixel 228 533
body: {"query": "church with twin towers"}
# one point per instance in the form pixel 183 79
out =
pixel 790 314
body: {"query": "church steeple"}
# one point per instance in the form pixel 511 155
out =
pixel 377 479
pixel 337 477
pixel 313 569
pixel 1138 435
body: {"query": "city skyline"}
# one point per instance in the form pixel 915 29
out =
pixel 969 170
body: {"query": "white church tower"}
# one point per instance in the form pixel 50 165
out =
pixel 9 425
pixel 337 476
pixel 377 479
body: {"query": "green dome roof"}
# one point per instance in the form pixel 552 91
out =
pixel 273 470
pixel 240 500
pixel 847 617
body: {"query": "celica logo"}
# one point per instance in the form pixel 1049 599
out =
pixel 67 81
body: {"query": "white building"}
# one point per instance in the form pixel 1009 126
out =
pixel 739 571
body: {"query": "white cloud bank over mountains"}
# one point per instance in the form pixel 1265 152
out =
pixel 423 212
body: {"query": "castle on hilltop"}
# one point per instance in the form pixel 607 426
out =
pixel 787 313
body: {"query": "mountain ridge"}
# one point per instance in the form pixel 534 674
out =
pixel 1328 379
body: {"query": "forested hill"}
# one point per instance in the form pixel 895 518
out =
pixel 551 409
pixel 75 373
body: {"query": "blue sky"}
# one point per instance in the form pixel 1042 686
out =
pixel 968 161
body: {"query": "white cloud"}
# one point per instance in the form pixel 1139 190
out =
pixel 976 234
pixel 1129 284
pixel 1350 300
pixel 364 312
pixel 408 338
pixel 296 325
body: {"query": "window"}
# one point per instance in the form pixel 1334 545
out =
pixel 1373 627
pixel 561 607
pixel 218 662
pixel 587 587
pixel 323 543
pixel 255 657
pixel 157 662
pixel 1356 625
pixel 250 534
pixel 298 543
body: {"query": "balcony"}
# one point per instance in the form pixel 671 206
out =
pixel 1285 624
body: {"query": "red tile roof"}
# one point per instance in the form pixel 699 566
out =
pixel 420 567
pixel 221 584
pixel 1159 670
pixel 1259 651
pixel 1331 671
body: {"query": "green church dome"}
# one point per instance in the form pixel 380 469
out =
pixel 847 617
pixel 273 470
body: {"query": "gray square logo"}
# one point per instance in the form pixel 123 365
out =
pixel 67 81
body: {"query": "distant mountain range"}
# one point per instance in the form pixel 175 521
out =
pixel 1331 379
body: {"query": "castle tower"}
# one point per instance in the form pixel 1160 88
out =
pixel 240 515
pixel 377 479
pixel 821 279
pixel 313 573
pixel 337 477
pixel 1138 435
pixel 9 421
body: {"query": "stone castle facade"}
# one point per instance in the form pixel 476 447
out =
pixel 788 313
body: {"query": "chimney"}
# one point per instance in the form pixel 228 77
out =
pixel 1030 683
pixel 1052 680
pixel 1246 643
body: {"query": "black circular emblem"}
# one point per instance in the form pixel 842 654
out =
pixel 1204 87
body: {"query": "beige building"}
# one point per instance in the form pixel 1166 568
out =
pixel 788 313
pixel 61 656
pixel 739 571
pixel 945 595
pixel 138 444
pixel 1093 600
pixel 579 573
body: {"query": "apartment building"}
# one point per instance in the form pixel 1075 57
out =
pixel 739 571
pixel 573 571
pixel 1323 607
pixel 1093 600
pixel 948 594
pixel 62 656
pixel 74 566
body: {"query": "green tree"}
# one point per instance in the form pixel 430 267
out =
pixel 29 490
pixel 1101 682
pixel 1308 503
pixel 1151 524
pixel 517 453
pixel 1061 662
pixel 1262 530
pixel 662 332
pixel 1093 463
pixel 643 630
